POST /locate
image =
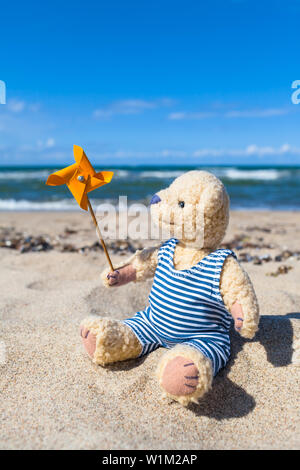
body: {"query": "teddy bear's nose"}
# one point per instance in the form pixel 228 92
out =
pixel 155 199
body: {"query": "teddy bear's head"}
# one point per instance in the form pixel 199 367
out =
pixel 194 209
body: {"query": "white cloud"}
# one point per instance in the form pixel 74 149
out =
pixel 34 107
pixel 102 113
pixel 248 151
pixel 253 149
pixel 252 113
pixel 185 115
pixel 47 150
pixel 15 106
pixel 130 106
pixel 135 105
pixel 50 143
pixel 177 116
pixel 256 113
pixel 45 144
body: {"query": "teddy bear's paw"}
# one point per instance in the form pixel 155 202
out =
pixel 249 330
pixel 105 278
pixel 107 340
pixel 184 374
pixel 180 376
pixel 88 341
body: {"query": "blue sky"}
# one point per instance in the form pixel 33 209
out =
pixel 136 82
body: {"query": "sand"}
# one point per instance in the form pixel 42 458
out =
pixel 53 397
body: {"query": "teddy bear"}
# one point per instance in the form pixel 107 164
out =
pixel 197 292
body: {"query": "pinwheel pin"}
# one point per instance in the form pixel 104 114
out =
pixel 81 178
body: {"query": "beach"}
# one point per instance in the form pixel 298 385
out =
pixel 54 397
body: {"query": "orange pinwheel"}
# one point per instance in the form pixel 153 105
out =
pixel 80 177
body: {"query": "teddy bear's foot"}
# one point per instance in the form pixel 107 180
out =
pixel 107 340
pixel 88 341
pixel 184 374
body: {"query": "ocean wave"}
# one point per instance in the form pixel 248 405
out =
pixel 26 205
pixel 25 175
pixel 42 175
pixel 160 174
pixel 100 206
pixel 260 175
pixel 229 173
pixel 121 173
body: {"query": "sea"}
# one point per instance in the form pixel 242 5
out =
pixel 249 187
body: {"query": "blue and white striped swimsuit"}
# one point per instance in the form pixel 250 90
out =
pixel 186 307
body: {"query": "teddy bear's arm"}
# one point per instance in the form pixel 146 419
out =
pixel 239 297
pixel 145 263
pixel 140 266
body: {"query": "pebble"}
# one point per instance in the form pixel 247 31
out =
pixel 25 243
pixel 283 269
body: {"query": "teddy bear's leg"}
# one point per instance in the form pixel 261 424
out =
pixel 184 374
pixel 107 340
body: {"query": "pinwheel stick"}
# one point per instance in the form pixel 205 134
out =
pixel 99 234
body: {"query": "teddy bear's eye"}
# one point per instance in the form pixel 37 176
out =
pixel 181 204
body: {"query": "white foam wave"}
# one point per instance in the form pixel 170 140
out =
pixel 121 173
pixel 10 205
pixel 230 173
pixel 160 174
pixel 25 205
pixel 25 175
pixel 263 175
pixel 43 174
